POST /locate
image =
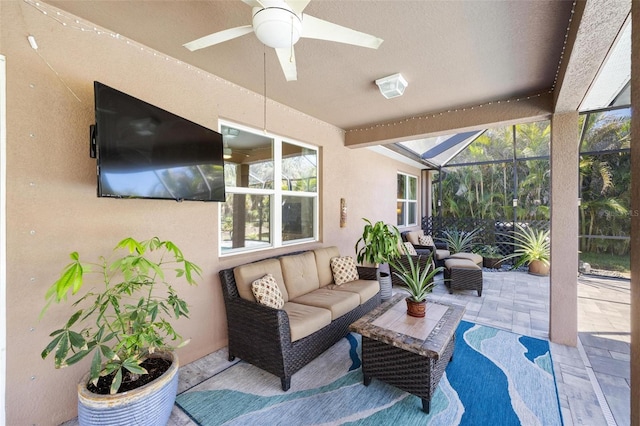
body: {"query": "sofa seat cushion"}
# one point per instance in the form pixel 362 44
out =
pixel 305 320
pixel 246 274
pixel 475 258
pixel 300 274
pixel 442 254
pixel 323 259
pixel 453 263
pixel 366 289
pixel 338 302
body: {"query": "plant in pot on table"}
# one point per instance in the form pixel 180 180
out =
pixel 418 279
pixel 378 245
pixel 122 320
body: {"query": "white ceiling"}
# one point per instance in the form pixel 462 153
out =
pixel 452 53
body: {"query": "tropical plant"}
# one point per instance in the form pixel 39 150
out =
pixel 417 279
pixel 490 251
pixel 459 241
pixel 530 244
pixel 127 318
pixel 378 244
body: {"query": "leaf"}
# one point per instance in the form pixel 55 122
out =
pixel 77 356
pixel 133 366
pixel 117 381
pixel 51 346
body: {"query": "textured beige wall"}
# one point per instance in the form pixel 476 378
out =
pixel 563 320
pixel 51 194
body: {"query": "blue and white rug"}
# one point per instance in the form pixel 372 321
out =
pixel 496 378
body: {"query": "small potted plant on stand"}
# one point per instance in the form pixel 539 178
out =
pixel 378 245
pixel 418 279
pixel 532 247
pixel 122 321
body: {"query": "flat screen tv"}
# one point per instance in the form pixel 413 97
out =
pixel 146 152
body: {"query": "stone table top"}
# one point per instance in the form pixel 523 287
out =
pixel 428 336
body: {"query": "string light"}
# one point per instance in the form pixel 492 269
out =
pixel 74 23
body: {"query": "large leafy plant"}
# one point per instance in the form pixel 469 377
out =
pixel 530 244
pixel 416 278
pixel 124 316
pixel 378 244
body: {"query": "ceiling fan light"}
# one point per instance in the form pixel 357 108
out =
pixel 226 153
pixel 277 27
pixel 392 86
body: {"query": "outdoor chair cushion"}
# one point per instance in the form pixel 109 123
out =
pixel 323 263
pixel 475 258
pixel 453 263
pixel 246 274
pixel 300 274
pixel 365 289
pixel 442 254
pixel 338 302
pixel 426 240
pixel 305 320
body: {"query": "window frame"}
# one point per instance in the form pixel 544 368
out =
pixel 276 193
pixel 407 201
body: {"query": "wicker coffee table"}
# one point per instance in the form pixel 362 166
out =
pixel 406 352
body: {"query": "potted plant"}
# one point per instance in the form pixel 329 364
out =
pixel 532 247
pixel 417 277
pixel 122 321
pixel 459 241
pixel 378 245
pixel 491 256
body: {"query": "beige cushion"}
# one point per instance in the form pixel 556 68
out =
pixel 323 257
pixel 412 237
pixel 475 258
pixel 366 289
pixel 401 247
pixel 305 320
pixel 409 249
pixel 246 274
pixel 267 293
pixel 426 240
pixel 300 274
pixel 344 270
pixel 460 264
pixel 338 302
pixel 442 254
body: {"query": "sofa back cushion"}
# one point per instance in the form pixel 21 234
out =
pixel 323 263
pixel 300 274
pixel 247 274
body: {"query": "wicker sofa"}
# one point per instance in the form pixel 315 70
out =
pixel 316 313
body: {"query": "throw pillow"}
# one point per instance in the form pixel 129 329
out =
pixel 409 249
pixel 344 269
pixel 426 240
pixel 267 293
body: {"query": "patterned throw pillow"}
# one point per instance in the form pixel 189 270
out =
pixel 426 240
pixel 267 293
pixel 409 249
pixel 344 269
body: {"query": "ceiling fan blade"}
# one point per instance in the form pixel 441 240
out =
pixel 287 59
pixel 297 5
pixel 324 30
pixel 254 3
pixel 218 37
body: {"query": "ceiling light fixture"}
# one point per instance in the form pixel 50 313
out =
pixel 226 151
pixel 392 86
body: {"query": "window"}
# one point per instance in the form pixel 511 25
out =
pixel 407 200
pixel 258 213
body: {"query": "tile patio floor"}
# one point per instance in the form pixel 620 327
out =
pixel 593 378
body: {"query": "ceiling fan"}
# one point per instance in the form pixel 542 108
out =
pixel 280 24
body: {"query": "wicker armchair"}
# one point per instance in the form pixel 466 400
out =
pixel 440 249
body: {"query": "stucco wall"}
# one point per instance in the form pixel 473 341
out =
pixel 51 188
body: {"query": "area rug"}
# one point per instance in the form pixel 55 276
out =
pixel 496 378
